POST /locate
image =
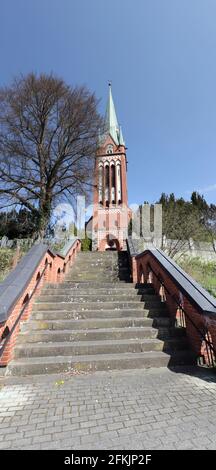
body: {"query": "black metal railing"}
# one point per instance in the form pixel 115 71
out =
pixel 204 335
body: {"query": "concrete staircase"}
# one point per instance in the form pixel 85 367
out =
pixel 97 320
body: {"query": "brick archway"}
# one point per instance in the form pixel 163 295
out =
pixel 109 243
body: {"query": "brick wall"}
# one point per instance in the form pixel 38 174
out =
pixel 143 268
pixel 56 268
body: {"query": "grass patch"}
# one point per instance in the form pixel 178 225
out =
pixel 203 272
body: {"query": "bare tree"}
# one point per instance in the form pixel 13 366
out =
pixel 209 220
pixel 48 137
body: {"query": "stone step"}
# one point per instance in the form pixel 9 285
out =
pixel 96 278
pixel 101 263
pixel 132 293
pixel 94 323
pixel 60 364
pixel 97 282
pixel 82 348
pixel 100 266
pixel 103 259
pixel 106 262
pixel 95 334
pixel 94 255
pixel 87 334
pixel 89 278
pixel 87 313
pixel 107 274
pixel 120 286
pixel 89 305
pixel 79 270
pixel 97 297
pixel 99 291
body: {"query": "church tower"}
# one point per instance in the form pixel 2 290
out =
pixel 110 201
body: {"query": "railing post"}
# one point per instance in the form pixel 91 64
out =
pixel 162 293
pixel 134 269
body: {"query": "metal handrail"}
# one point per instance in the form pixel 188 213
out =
pixel 207 341
pixel 2 347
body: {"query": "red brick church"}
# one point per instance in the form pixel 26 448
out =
pixel 110 200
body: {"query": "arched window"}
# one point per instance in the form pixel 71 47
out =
pixel 107 176
pixel 113 183
pixel 107 185
pixel 109 148
pixel 100 184
pixel 118 183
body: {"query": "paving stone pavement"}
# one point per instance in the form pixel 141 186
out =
pixel 139 409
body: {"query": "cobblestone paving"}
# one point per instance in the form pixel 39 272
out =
pixel 141 409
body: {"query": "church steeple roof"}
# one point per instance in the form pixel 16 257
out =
pixel 121 139
pixel 111 121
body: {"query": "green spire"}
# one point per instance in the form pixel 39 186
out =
pixel 121 140
pixel 111 122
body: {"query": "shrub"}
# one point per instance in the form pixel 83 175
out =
pixel 86 244
pixel 6 261
pixel 7 258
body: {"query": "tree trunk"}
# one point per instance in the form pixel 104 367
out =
pixel 44 217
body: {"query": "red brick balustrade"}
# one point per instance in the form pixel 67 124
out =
pixel 19 290
pixel 187 302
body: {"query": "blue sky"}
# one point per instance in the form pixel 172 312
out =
pixel 161 58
